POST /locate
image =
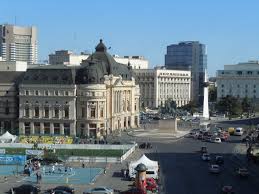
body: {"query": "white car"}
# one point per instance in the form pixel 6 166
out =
pixel 215 140
pixel 205 157
pixel 214 168
pixel 99 190
pixel 238 131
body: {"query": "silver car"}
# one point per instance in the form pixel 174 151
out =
pixel 99 190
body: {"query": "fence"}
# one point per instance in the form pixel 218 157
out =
pixel 69 146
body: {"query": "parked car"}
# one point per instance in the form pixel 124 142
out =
pixel 99 190
pixel 239 131
pixel 25 189
pixel 242 172
pixel 214 168
pixel 63 188
pixel 205 157
pixel 227 190
pixel 58 192
pixel 204 149
pixel 145 146
pixel 215 140
pixel 219 160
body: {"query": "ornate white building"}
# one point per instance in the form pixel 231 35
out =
pixel 240 80
pixel 160 84
pixel 92 99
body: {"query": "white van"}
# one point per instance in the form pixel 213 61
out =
pixel 239 131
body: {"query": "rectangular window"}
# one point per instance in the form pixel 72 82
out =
pixel 101 113
pixel 92 126
pixel 66 110
pixel 66 129
pixel 56 93
pixel 46 112
pixel 27 112
pixel 36 112
pixel 36 92
pixel 56 128
pixel 46 93
pixel 47 128
pixel 37 128
pixel 7 110
pixel 83 112
pixel 56 112
pixel 66 93
pixel 92 112
pixel 27 93
pixel 27 128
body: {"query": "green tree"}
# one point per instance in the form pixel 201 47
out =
pixel 246 106
pixel 230 105
pixel 190 107
pixel 212 94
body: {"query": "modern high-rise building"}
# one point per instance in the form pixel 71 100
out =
pixel 18 43
pixel 189 55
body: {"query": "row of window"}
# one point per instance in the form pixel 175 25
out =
pixel 46 112
pixel 92 112
pixel 230 91
pixel 46 93
pixel 238 86
pixel 241 72
pixel 46 128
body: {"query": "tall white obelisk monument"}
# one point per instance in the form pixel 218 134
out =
pixel 206 97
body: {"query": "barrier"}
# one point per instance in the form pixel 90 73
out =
pixel 89 159
pixel 12 159
pixel 69 146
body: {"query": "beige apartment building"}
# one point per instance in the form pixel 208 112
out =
pixel 160 84
pixel 92 99
pixel 18 43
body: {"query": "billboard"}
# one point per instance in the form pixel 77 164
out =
pixel 13 159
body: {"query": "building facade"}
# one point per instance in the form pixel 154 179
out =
pixel 66 57
pixel 240 80
pixel 92 99
pixel 160 84
pixel 18 43
pixel 9 101
pixel 189 55
pixel 136 62
pixel 13 66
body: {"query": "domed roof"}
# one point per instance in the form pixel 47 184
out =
pixel 101 63
pixel 141 167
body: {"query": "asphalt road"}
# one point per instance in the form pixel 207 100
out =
pixel 183 171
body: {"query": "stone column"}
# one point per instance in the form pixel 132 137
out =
pixel 42 128
pixel 32 128
pixel 21 128
pixel 72 129
pixel 51 129
pixel 61 128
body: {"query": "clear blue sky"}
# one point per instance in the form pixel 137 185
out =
pixel 229 28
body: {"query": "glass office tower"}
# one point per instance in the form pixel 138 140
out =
pixel 189 55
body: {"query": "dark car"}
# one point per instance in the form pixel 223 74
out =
pixel 227 190
pixel 63 188
pixel 219 160
pixel 204 149
pixel 25 189
pixel 59 192
pixel 134 191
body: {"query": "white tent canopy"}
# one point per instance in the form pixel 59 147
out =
pixel 152 166
pixel 7 137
